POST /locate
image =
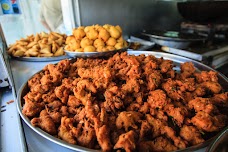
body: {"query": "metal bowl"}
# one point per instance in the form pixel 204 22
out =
pixel 177 61
pixel 41 59
pixel 173 39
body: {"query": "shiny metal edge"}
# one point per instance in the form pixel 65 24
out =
pixel 177 39
pixel 40 59
pixel 183 52
pixel 177 61
pixel 94 54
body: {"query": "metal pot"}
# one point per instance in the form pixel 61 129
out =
pixel 203 11
pixel 173 39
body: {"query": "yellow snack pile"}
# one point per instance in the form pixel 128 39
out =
pixel 39 45
pixel 96 38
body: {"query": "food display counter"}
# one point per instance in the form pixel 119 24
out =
pixel 18 134
pixel 15 130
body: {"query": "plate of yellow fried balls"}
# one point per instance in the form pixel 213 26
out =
pixel 95 41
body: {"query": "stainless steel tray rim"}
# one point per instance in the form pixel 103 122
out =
pixel 174 38
pixel 40 59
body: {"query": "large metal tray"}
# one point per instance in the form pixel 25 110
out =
pixel 176 59
pixel 41 59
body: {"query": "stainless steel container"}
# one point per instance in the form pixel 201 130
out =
pixel 177 61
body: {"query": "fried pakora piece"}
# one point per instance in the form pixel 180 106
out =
pixel 187 69
pixel 177 112
pixel 157 125
pixel 128 120
pixel 35 80
pixel 39 88
pixel 45 122
pixel 73 102
pixel 31 108
pixel 212 87
pixel 220 99
pixel 62 93
pixel 34 96
pixel 132 86
pixel 157 99
pixel 65 130
pixel 154 79
pixel 166 65
pixel 85 134
pixel 159 144
pixel 206 76
pixel 178 141
pixel 202 104
pixel 127 141
pixel 113 99
pixel 172 89
pixel 49 97
pixel 103 136
pixel 209 123
pixel 191 134
pixel 83 90
pixel 56 110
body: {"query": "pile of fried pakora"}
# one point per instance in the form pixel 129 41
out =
pixel 127 102
pixel 96 38
pixel 39 45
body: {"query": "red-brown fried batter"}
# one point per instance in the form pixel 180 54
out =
pixel 126 102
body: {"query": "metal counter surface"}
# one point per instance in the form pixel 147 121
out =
pixel 10 137
pixel 22 71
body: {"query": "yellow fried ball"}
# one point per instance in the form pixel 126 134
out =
pixel 119 28
pixel 68 48
pixel 86 42
pixel 87 28
pixel 73 43
pixel 79 50
pixel 79 33
pixel 119 45
pixel 98 27
pixel 110 48
pixel 104 35
pixel 121 39
pixel 114 32
pixel 107 26
pixel 100 48
pixel 111 41
pixel 92 34
pixel 68 39
pixel 89 48
pixel 98 42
